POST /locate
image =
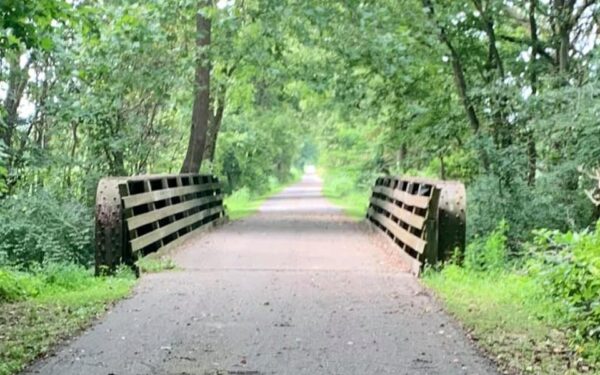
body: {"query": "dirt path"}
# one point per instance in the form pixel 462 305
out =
pixel 296 289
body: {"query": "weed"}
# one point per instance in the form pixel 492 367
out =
pixel 153 264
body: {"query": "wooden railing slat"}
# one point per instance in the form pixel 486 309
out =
pixel 157 234
pixel 415 243
pixel 162 213
pixel 406 216
pixel 153 196
pixel 413 264
pixel 402 196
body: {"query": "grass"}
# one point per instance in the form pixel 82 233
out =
pixel 509 316
pixel 38 310
pixel 154 263
pixel 244 203
pixel 340 190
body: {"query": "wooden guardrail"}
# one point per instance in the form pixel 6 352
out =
pixel 425 219
pixel 138 215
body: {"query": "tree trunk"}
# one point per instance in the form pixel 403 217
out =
pixel 217 118
pixel 563 51
pixel 530 136
pixel 564 24
pixel 17 82
pixel 460 80
pixel 494 59
pixel 442 168
pixel 458 70
pixel 201 109
pixel 213 132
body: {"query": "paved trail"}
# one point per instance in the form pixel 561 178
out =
pixel 295 289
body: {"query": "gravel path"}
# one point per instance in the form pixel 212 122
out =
pixel 296 289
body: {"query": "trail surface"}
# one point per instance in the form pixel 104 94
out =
pixel 296 289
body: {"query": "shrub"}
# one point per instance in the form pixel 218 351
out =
pixel 339 184
pixel 41 229
pixel 557 201
pixel 568 265
pixel 489 253
pixel 11 287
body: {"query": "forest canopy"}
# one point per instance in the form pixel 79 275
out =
pixel 501 95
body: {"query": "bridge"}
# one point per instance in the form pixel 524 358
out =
pixel 298 288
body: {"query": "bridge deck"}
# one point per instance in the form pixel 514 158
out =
pixel 296 289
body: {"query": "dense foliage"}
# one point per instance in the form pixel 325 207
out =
pixel 498 94
pixel 568 265
pixel 39 229
pixel 502 95
pixel 554 286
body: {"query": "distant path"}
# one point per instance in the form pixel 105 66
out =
pixel 296 289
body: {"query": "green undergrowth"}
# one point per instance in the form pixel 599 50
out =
pixel 243 203
pixel 341 190
pixel 509 317
pixel 536 313
pixel 154 263
pixel 42 307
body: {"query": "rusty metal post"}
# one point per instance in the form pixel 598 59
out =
pixel 111 235
pixel 452 219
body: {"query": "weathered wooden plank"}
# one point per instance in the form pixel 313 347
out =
pixel 138 199
pixel 413 264
pixel 416 243
pixel 181 239
pixel 409 199
pixel 151 206
pixel 408 217
pixel 156 215
pixel 144 177
pixel 147 239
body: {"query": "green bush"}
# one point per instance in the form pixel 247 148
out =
pixel 339 184
pixel 11 287
pixel 568 265
pixel 42 229
pixel 489 253
pixel 557 201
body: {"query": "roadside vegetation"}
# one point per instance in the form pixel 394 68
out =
pixel 156 262
pixel 341 190
pixel 539 313
pixel 501 95
pixel 41 307
pixel 244 202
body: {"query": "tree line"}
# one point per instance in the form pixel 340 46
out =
pixel 499 94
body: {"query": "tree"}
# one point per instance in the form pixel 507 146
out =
pixel 201 110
